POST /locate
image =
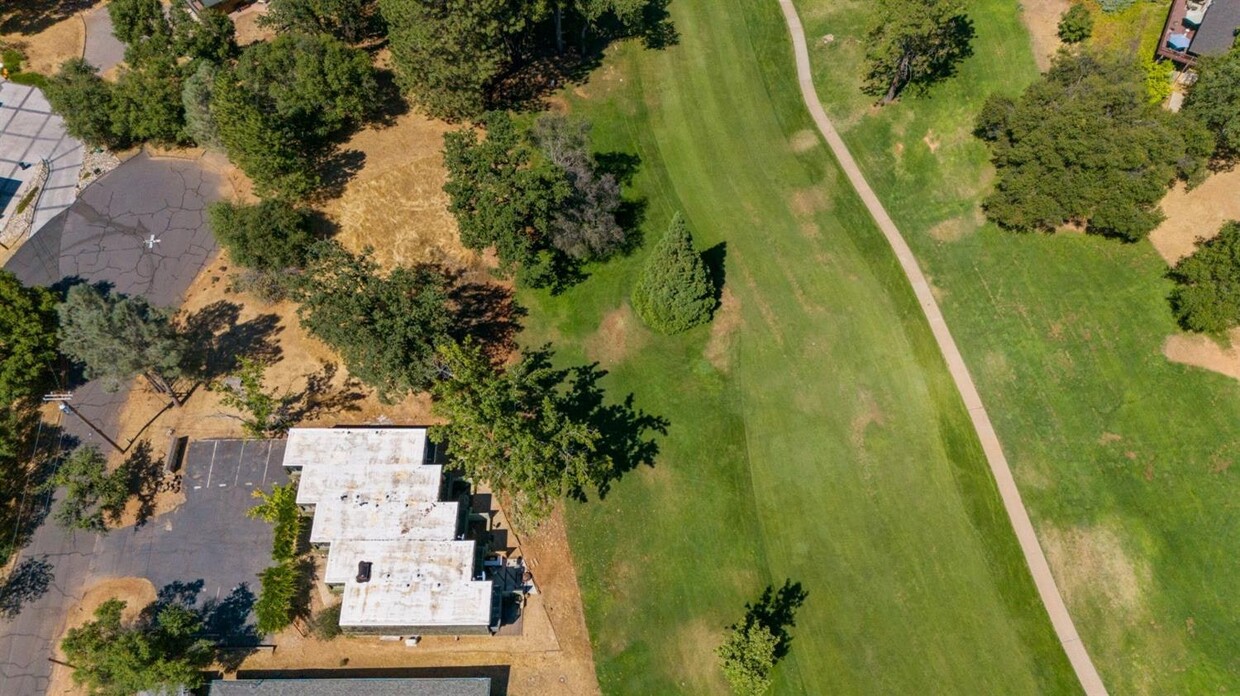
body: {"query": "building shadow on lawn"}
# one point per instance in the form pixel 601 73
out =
pixel 25 583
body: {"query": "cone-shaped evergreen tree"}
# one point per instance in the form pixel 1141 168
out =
pixel 674 292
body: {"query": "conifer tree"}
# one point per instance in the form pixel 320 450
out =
pixel 674 292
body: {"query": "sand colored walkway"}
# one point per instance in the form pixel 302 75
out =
pixel 1034 556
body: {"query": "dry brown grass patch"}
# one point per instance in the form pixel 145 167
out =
pixel 718 351
pixel 953 229
pixel 804 140
pixel 809 201
pixel 47 49
pixel 1092 566
pixel 1205 352
pixel 1041 17
pixel 619 334
pixel 867 413
pixel 1196 213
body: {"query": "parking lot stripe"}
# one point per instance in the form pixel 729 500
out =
pixel 240 463
pixel 267 463
pixel 214 446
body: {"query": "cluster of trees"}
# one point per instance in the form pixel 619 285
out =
pixel 452 57
pixel 1207 293
pixel 281 583
pixel 93 495
pixel 1215 101
pixel 1084 145
pixel 273 106
pixel 145 102
pixel 159 651
pixel 538 197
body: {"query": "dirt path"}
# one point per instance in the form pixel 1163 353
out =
pixel 1038 567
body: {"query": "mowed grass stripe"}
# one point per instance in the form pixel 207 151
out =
pixel 831 450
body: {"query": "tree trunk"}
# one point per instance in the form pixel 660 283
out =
pixel 161 385
pixel 559 28
pixel 899 80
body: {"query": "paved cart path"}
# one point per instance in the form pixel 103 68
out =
pixel 1010 494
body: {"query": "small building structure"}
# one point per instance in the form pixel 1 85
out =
pixel 1198 28
pixel 396 550
pixel 465 686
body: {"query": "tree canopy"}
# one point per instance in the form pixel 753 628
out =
pixel 505 197
pixel 584 225
pixel 271 235
pixel 118 337
pixel 159 652
pixel 84 101
pixel 1076 24
pixel 674 292
pixel 1207 293
pixel 1084 145
pixel 1215 100
pixel 748 656
pixel 914 42
pixel 385 328
pixel 347 20
pixel 516 429
pixel 27 339
pixel 92 494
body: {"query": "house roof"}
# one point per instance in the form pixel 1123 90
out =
pixel 1217 33
pixel 474 686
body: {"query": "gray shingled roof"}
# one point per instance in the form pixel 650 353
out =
pixel 480 686
pixel 1218 30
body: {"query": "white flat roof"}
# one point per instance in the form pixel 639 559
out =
pixel 338 484
pixel 412 583
pixel 337 446
pixel 378 516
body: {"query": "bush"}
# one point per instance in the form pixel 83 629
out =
pixel 1158 74
pixel 29 79
pixel 748 656
pixel 1215 100
pixel 86 103
pixel 1207 296
pixel 674 292
pixel 326 624
pixel 273 612
pixel 11 58
pixel 270 236
pixel 1076 25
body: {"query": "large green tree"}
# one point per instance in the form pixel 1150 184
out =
pixel 674 292
pixel 271 235
pixel 516 429
pixel 92 494
pixel 118 337
pixel 160 651
pixel 348 20
pixel 270 151
pixel 85 102
pixel 505 196
pixel 1084 145
pixel 200 125
pixel 914 42
pixel 210 38
pixel 385 328
pixel 449 54
pixel 147 102
pixel 1215 100
pixel 1207 293
pixel 748 656
pixel 27 339
pixel 142 26
pixel 584 225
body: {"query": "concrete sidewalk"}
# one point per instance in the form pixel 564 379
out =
pixel 1038 567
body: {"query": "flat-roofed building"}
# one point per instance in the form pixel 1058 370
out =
pixel 395 550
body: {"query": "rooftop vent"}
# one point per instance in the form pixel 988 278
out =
pixel 363 571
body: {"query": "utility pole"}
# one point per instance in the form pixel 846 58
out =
pixel 62 400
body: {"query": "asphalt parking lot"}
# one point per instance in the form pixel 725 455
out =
pixel 208 538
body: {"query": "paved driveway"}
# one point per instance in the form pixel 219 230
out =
pixel 30 132
pixel 207 543
pixel 103 50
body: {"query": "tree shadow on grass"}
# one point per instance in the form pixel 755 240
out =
pixel 320 396
pixel 25 583
pixel 487 312
pixel 33 16
pixel 218 338
pixel 776 610
pixel 715 259
pixel 625 429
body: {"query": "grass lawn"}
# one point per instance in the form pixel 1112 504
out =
pixel 1123 457
pixel 815 434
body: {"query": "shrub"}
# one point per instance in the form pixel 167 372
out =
pixel 11 58
pixel 326 624
pixel 270 236
pixel 1207 296
pixel 273 612
pixel 1076 25
pixel 1215 99
pixel 1158 74
pixel 748 656
pixel 279 507
pixel 674 292
pixel 30 79
pixel 26 201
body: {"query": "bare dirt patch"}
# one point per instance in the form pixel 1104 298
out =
pixel 868 413
pixel 718 351
pixel 1205 352
pixel 804 140
pixel 136 592
pixel 46 48
pixel 953 229
pixel 246 22
pixel 1196 213
pixel 1091 566
pixel 619 335
pixel 809 201
pixel 396 203
pixel 1041 17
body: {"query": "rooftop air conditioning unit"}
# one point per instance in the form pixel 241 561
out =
pixel 363 571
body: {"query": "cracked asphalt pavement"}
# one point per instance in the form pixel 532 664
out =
pixel 141 228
